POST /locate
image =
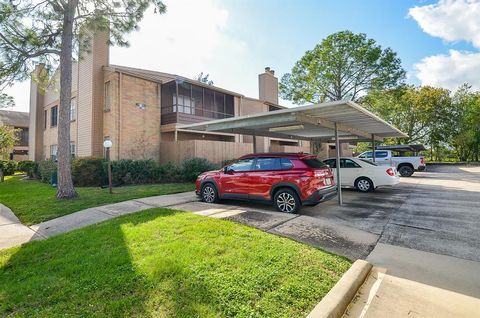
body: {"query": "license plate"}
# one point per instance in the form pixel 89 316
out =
pixel 328 181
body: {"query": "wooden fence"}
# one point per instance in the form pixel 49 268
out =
pixel 214 151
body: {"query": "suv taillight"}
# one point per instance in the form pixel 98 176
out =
pixel 390 172
pixel 422 161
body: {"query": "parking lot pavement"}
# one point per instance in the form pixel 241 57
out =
pixel 425 229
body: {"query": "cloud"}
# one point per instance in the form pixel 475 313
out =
pixel 450 70
pixel 450 20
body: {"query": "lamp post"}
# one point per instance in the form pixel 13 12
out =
pixel 107 144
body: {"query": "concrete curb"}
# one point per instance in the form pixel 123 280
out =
pixel 333 305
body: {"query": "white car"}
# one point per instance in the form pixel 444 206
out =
pixel 363 174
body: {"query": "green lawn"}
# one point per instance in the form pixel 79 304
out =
pixel 164 263
pixel 34 202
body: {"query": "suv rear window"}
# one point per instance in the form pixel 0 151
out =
pixel 314 163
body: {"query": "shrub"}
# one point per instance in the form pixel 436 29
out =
pixel 167 172
pixel 192 167
pixel 88 171
pixel 29 167
pixel 8 167
pixel 133 171
pixel 46 169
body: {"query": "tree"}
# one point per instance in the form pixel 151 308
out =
pixel 425 113
pixel 466 131
pixel 343 66
pixel 6 101
pixel 203 78
pixel 48 31
pixel 8 138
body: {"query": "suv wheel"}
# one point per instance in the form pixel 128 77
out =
pixel 287 201
pixel 364 184
pixel 209 193
pixel 405 171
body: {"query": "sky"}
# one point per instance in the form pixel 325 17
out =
pixel 233 41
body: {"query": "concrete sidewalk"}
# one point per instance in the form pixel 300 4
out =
pixel 384 295
pixel 13 233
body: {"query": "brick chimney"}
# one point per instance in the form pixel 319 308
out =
pixel 268 86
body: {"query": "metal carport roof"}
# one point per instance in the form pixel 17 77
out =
pixel 312 122
pixel 339 121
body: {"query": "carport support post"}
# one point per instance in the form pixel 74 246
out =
pixel 373 147
pixel 254 143
pixel 337 159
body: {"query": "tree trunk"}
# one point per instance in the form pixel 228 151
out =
pixel 65 184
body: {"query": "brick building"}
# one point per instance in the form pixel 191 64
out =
pixel 19 121
pixel 142 111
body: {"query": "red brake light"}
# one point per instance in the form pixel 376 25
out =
pixel 390 172
pixel 422 160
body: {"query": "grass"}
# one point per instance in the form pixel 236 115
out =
pixel 34 202
pixel 165 263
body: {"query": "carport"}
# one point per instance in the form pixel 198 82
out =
pixel 339 121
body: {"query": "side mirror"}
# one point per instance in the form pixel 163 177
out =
pixel 227 170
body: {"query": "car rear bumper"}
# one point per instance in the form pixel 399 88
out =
pixel 321 195
pixel 422 168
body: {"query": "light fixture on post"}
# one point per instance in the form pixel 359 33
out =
pixel 107 144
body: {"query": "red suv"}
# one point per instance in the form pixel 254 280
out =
pixel 289 180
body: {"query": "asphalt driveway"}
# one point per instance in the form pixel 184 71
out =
pixel 426 229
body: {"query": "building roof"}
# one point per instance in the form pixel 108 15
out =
pixel 13 118
pixel 312 122
pixel 161 77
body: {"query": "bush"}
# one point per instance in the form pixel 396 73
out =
pixel 168 172
pixel 8 167
pixel 29 167
pixel 46 169
pixel 133 171
pixel 192 167
pixel 88 171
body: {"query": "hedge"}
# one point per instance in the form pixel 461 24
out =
pixel 90 171
pixel 29 167
pixel 8 167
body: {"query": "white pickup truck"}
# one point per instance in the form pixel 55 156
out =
pixel 406 166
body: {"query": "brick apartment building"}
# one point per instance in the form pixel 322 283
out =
pixel 141 112
pixel 19 121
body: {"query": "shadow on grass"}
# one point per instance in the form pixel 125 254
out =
pixel 90 272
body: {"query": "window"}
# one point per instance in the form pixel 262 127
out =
pixel 73 149
pixel 22 136
pixel 73 109
pixel 286 164
pixel 241 165
pixel 53 116
pixel 332 163
pixel 268 164
pixel 45 119
pixel 53 152
pixel 314 163
pixel 381 154
pixel 219 105
pixel 196 100
pixel 369 162
pixel 347 163
pixel 108 96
